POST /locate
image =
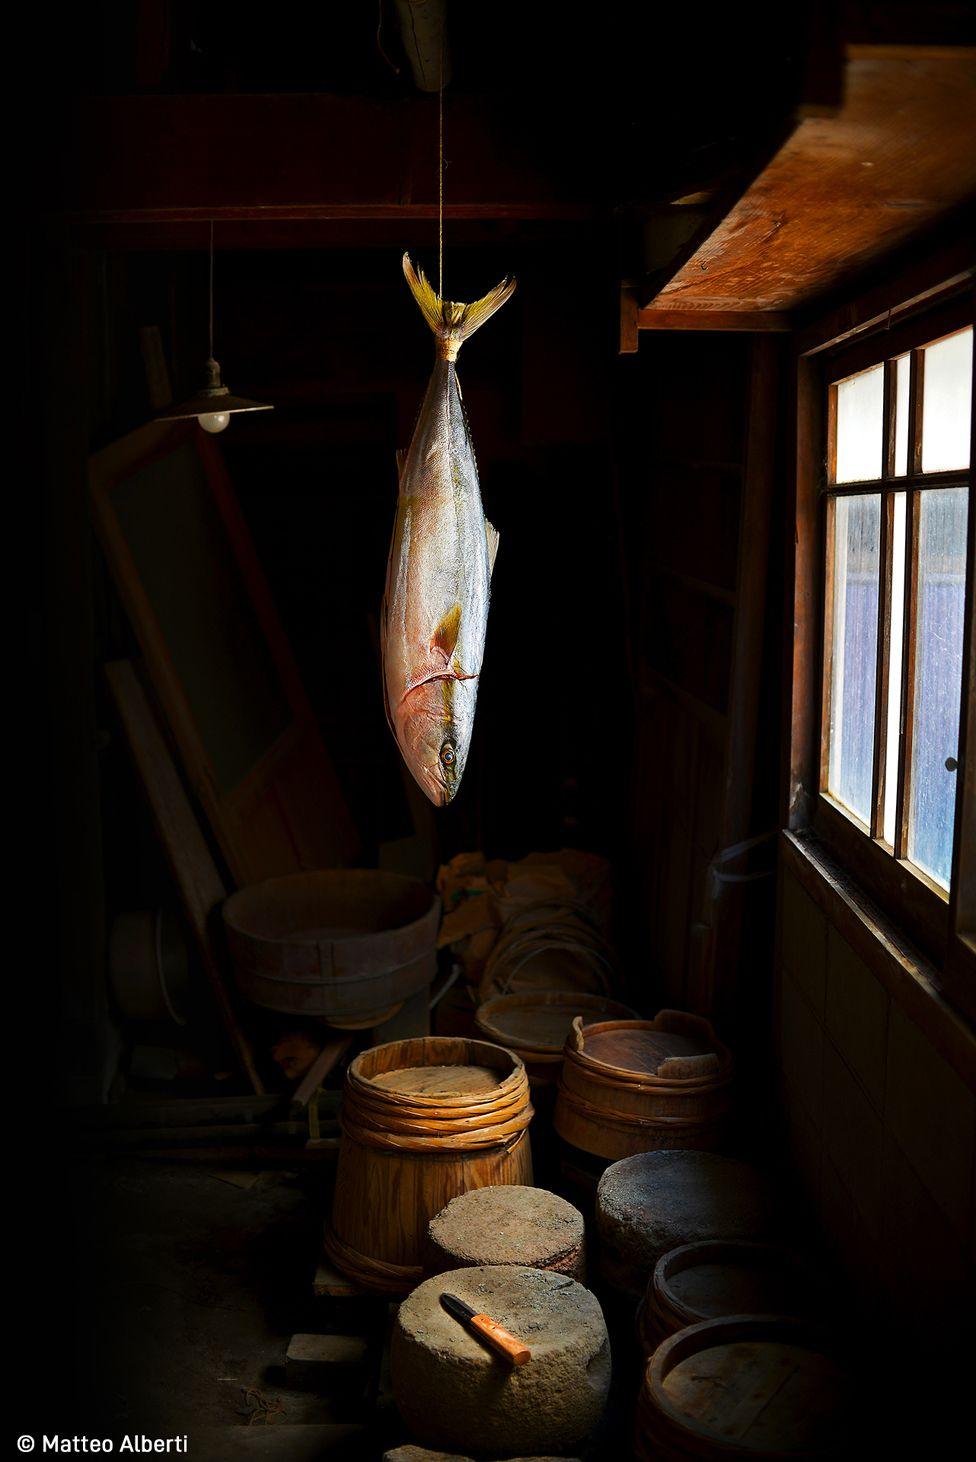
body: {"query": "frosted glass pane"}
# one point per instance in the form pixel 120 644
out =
pixel 860 412
pixel 902 374
pixel 895 641
pixel 854 649
pixel 938 677
pixel 947 396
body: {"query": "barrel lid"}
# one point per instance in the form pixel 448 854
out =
pixel 440 1081
pixel 638 1047
pixel 756 1387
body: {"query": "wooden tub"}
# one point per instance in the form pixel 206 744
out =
pixel 630 1086
pixel 347 946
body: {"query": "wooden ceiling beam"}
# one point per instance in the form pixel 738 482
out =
pixel 165 159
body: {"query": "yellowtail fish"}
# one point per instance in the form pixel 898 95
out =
pixel 435 608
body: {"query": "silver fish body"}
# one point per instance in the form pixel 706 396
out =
pixel 435 608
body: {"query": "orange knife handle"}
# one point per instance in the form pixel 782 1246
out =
pixel 499 1337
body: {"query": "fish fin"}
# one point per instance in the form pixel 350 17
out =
pixel 452 320
pixel 492 535
pixel 401 457
pixel 445 636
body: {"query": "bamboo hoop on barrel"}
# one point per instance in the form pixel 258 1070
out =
pixel 404 1154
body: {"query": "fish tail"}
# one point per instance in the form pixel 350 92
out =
pixel 451 321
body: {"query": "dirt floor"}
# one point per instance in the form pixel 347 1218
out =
pixel 190 1285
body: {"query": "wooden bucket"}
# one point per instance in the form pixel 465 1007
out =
pixel 643 1085
pixel 405 1152
pixel 346 946
pixel 537 1023
pixel 744 1387
pixel 715 1278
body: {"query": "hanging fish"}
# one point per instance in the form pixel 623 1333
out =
pixel 435 608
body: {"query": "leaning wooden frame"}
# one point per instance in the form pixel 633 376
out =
pixel 246 733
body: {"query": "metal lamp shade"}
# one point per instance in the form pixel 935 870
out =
pixel 211 398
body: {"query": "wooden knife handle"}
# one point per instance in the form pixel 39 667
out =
pixel 498 1337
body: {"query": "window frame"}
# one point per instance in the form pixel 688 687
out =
pixel 898 317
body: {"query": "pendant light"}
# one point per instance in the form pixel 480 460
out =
pixel 213 405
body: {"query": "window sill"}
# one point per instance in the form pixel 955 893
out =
pixel 909 978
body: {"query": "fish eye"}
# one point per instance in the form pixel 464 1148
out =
pixel 448 754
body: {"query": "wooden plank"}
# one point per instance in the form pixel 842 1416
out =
pixel 200 886
pixel 629 317
pixel 804 581
pixel 926 273
pixel 660 317
pixel 142 1111
pixel 328 1283
pixel 319 1362
pixel 327 1059
pixel 844 190
pixel 719 205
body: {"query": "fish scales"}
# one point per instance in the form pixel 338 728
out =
pixel 435 608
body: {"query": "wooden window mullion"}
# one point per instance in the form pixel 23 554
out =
pixel 885 560
pixel 881 690
pixel 828 641
pixel 909 637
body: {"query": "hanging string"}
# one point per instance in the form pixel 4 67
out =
pixel 211 286
pixel 440 168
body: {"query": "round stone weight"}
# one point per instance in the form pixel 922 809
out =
pixel 454 1391
pixel 655 1201
pixel 508 1224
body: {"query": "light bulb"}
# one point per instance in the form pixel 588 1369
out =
pixel 214 421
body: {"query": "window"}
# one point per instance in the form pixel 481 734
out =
pixel 897 495
pixel 881 751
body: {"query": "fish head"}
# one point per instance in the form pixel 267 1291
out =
pixel 434 722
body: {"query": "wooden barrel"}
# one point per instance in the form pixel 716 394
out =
pixel 508 1225
pixel 744 1387
pixel 719 1277
pixel 422 1121
pixel 630 1086
pixel 347 946
pixel 537 1023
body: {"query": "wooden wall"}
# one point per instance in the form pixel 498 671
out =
pixel 880 1119
pixel 697 429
